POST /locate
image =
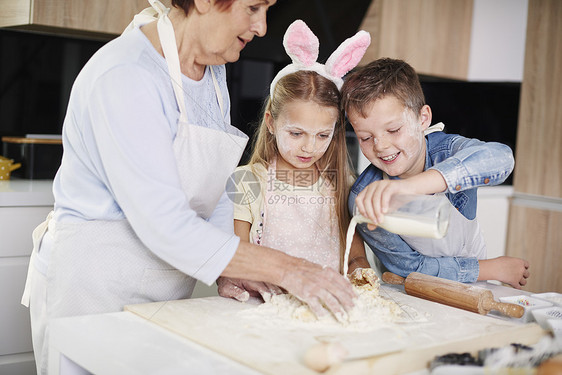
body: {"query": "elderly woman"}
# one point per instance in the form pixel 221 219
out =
pixel 140 209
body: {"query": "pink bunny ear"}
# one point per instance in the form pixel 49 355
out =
pixel 301 44
pixel 348 54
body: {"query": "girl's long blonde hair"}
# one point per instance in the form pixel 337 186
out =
pixel 334 165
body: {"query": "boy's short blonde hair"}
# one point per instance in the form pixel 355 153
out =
pixel 379 79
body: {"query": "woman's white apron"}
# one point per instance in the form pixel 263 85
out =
pixel 301 222
pixel 100 266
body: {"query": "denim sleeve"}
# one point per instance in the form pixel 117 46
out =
pixel 474 163
pixel 398 257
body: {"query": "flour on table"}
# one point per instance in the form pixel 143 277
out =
pixel 370 310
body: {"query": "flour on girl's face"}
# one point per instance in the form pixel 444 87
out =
pixel 303 132
pixel 297 137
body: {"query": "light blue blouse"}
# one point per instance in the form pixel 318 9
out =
pixel 118 161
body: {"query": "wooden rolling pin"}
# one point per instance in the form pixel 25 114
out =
pixel 453 293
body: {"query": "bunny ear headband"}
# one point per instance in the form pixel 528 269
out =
pixel 302 47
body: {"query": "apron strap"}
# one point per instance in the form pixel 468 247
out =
pixel 37 236
pixel 170 49
pixel 168 42
pixel 147 15
pixel 159 12
pixel 434 128
pixel 218 91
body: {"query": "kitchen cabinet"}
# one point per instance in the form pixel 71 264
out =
pixel 83 17
pixel 536 209
pixel 23 205
pixel 431 35
pixel 475 40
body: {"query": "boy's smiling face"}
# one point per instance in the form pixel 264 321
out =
pixel 391 136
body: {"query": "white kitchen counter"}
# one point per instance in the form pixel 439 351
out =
pixel 123 343
pixel 18 193
pixel 23 205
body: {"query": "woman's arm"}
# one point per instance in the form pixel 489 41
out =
pixel 242 289
pixel 222 214
pixel 310 282
pixel 256 270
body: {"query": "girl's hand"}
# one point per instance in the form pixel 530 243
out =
pixel 362 276
pixel 360 271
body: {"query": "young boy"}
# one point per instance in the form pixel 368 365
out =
pixel 386 107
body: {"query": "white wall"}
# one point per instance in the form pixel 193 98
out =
pixel 492 214
pixel 497 47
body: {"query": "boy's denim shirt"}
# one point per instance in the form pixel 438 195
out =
pixel 465 164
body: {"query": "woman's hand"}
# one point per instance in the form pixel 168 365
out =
pixel 322 288
pixel 242 290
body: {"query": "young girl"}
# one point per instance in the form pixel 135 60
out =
pixel 294 190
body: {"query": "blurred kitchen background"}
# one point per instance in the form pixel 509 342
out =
pixel 490 69
pixel 477 97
